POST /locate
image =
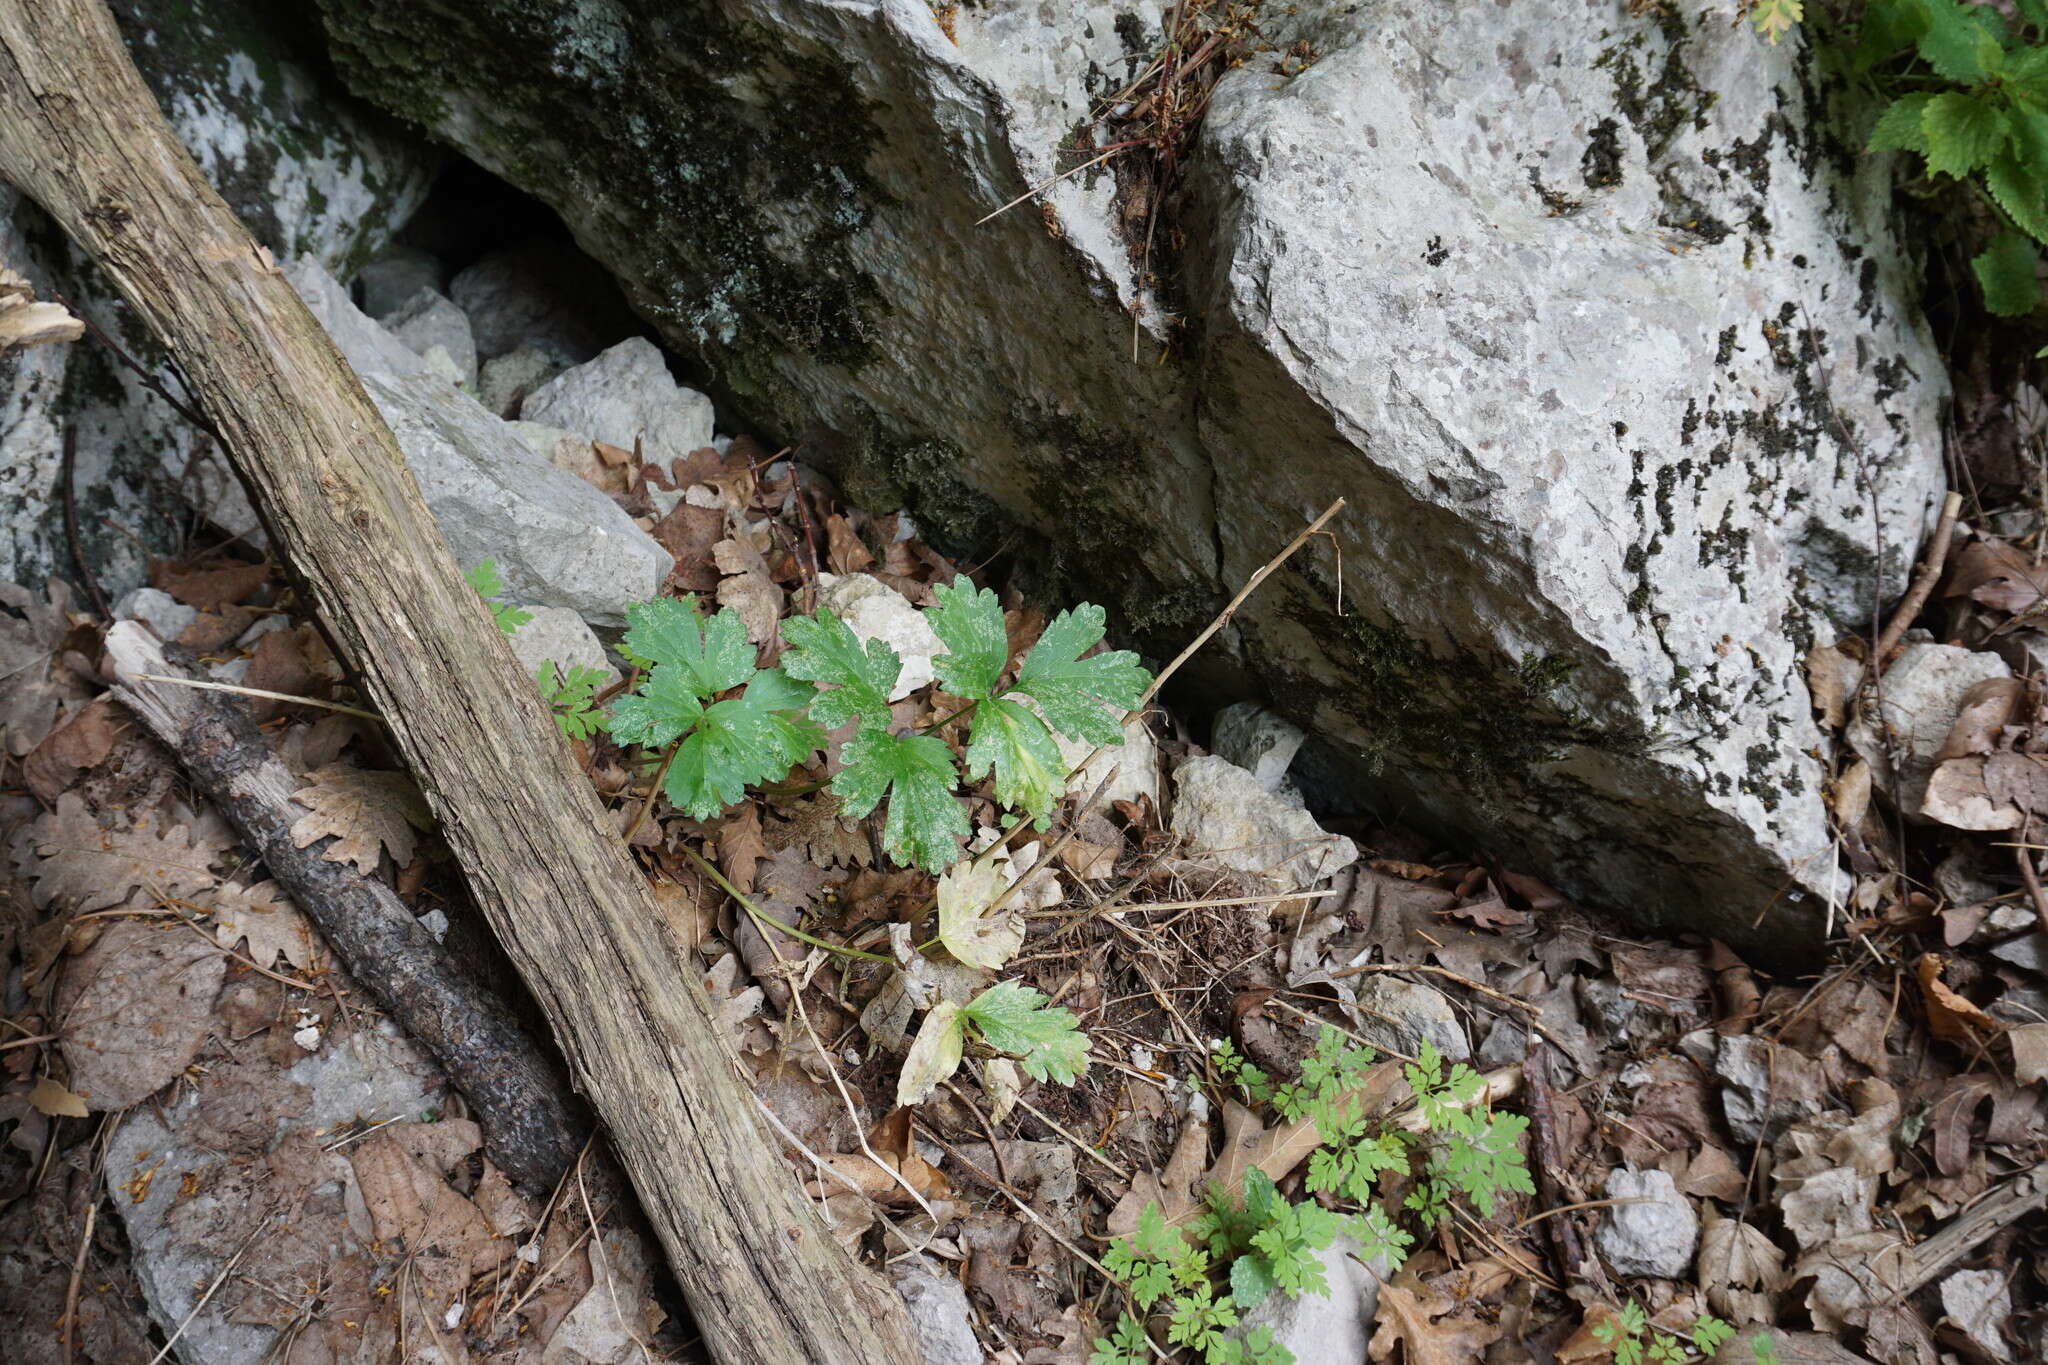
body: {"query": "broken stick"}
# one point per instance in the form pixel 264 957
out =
pixel 532 1125
pixel 80 134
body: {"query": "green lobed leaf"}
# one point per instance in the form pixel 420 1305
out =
pixel 1889 27
pixel 2006 272
pixel 1047 1041
pixel 568 695
pixel 1251 1281
pixel 713 654
pixel 1963 132
pixel 1073 692
pixel 484 578
pixel 1899 129
pixel 915 772
pixel 739 743
pixel 1029 772
pixel 662 710
pixel 824 649
pixel 970 623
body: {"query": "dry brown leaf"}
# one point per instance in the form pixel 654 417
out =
pixel 50 1097
pixel 738 556
pixel 1413 1317
pixel 740 846
pixel 1740 1268
pixel 34 685
pixel 812 824
pixel 209 589
pixel 844 550
pixel 1831 676
pixel 134 1009
pixel 362 809
pixel 757 600
pixel 1999 575
pixel 688 533
pixel 1949 1015
pixel 1173 1188
pixel 2029 1052
pixel 446 1237
pixel 84 867
pixel 81 742
pixel 266 917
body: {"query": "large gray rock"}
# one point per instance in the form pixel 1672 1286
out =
pixel 1223 813
pixel 1602 333
pixel 311 172
pixel 437 332
pixel 1650 1229
pixel 556 540
pixel 623 396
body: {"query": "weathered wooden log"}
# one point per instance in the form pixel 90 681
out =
pixel 533 1126
pixel 80 134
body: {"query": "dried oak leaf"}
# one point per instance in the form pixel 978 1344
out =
pixel 34 685
pixel 445 1236
pixel 1414 1317
pixel 134 1010
pixel 266 917
pixel 362 809
pixel 1999 575
pixel 84 867
pixel 812 824
pixel 1951 1016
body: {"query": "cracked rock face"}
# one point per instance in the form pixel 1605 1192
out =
pixel 1566 301
pixel 311 173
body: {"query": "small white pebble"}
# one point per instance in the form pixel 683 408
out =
pixel 453 1315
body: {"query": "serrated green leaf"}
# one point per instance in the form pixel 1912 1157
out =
pixel 969 932
pixel 1963 132
pixel 2026 73
pixel 1898 128
pixel 1957 42
pixel 771 689
pixel 916 773
pixel 970 623
pixel 2017 189
pixel 1251 1281
pixel 1889 27
pixel 1009 739
pixel 1081 698
pixel 1047 1041
pixel 661 711
pixel 2006 272
pixel 934 1055
pixel 824 649
pixel 713 654
pixel 739 743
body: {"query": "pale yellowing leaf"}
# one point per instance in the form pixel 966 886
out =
pixel 50 1097
pixel 970 933
pixel 934 1055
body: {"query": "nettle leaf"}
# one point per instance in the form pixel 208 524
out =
pixel 2006 272
pixel 1963 132
pixel 977 646
pixel 1899 128
pixel 715 654
pixel 915 772
pixel 740 743
pixel 1029 771
pixel 1081 698
pixel 1957 42
pixel 2019 191
pixel 824 649
pixel 1047 1041
pixel 663 709
pixel 969 932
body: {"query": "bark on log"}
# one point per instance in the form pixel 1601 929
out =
pixel 81 135
pixel 532 1126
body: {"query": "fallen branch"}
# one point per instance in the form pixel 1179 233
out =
pixel 80 134
pixel 1923 585
pixel 533 1126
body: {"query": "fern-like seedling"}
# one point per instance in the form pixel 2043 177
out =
pixel 722 746
pixel 569 695
pixel 484 578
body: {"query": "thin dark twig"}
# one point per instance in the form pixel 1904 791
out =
pixel 149 381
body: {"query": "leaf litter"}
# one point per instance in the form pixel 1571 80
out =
pixel 1819 1132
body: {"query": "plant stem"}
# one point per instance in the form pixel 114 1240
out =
pixel 653 791
pixel 947 720
pixel 769 920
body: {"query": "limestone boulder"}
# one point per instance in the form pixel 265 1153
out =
pixel 1596 317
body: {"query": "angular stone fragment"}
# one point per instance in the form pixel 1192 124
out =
pixel 438 333
pixel 1651 1229
pixel 625 395
pixel 1223 812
